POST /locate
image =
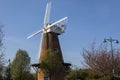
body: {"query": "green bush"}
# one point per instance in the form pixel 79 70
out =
pixel 1 78
pixel 102 78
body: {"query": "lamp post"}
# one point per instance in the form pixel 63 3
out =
pixel 111 44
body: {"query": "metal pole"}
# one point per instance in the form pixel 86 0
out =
pixel 111 43
pixel 113 71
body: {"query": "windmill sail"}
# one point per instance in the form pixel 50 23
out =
pixel 57 22
pixel 47 14
pixel 35 34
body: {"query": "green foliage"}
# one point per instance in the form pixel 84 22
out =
pixel 85 74
pixel 77 74
pixel 34 76
pixel 101 78
pixel 1 77
pixel 20 67
pixel 70 75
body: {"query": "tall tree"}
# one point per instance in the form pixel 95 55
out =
pixel 1 50
pixel 20 67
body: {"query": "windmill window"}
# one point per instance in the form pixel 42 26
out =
pixel 56 50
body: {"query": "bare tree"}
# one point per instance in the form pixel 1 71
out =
pixel 99 60
pixel 1 62
pixel 1 49
pixel 117 62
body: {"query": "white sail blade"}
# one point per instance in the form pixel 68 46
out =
pixel 35 34
pixel 56 22
pixel 47 14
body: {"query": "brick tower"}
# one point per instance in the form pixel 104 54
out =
pixel 50 41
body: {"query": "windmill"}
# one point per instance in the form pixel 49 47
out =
pixel 50 39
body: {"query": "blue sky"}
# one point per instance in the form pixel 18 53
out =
pixel 88 21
